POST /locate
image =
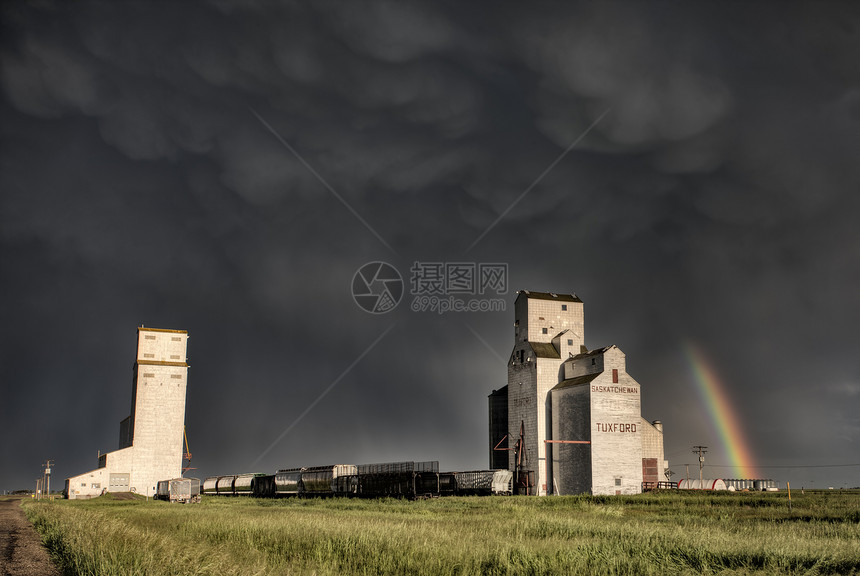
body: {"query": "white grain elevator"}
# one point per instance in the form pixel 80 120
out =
pixel 150 439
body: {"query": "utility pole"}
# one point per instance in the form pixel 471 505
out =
pixel 701 450
pixel 48 464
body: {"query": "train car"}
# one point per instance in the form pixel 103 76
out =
pixel 224 486
pixel 396 479
pixel 346 485
pixel 243 485
pixel 263 486
pixel 503 482
pixel 484 482
pixel 447 484
pixel 288 482
pixel 426 484
pixel 323 480
pixel 475 482
pixel 395 484
pixel 317 481
pixel 210 486
pixel 392 479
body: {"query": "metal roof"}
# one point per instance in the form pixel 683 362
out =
pixel 544 350
pixel 503 391
pixel 576 381
pixel 596 352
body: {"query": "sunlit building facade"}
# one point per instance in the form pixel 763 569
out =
pixel 150 439
pixel 573 416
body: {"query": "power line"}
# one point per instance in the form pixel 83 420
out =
pixel 684 451
pixel 787 466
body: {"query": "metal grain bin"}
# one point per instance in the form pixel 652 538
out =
pixel 766 485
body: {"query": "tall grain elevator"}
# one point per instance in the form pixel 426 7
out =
pixel 150 439
pixel 573 416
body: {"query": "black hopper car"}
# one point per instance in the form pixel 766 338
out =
pixel 411 480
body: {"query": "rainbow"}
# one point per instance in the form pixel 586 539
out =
pixel 722 414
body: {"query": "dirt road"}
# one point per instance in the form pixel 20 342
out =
pixel 21 550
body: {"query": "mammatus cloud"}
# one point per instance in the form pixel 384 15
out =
pixel 715 201
pixel 655 83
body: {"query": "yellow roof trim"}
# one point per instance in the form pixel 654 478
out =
pixel 144 329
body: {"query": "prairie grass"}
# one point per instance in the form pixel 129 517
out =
pixel 668 533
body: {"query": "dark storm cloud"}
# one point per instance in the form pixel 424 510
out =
pixel 144 181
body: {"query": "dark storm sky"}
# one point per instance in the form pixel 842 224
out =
pixel 690 170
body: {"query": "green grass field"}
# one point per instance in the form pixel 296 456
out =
pixel 667 533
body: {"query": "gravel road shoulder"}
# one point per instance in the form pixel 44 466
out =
pixel 21 550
